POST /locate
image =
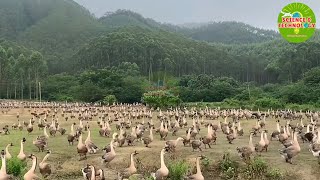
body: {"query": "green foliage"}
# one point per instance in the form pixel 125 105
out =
pixel 256 169
pixel 162 99
pixel 16 167
pixel 274 174
pixel 269 103
pixel 177 170
pixel 109 99
pixel 228 167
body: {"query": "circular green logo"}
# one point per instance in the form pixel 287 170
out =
pixel 296 22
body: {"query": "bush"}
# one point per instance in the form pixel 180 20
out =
pixel 228 168
pixel 177 170
pixel 109 99
pixel 269 103
pixel 256 169
pixel 16 167
pixel 274 174
pixel 162 99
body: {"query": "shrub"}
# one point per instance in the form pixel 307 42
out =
pixel 269 103
pixel 228 168
pixel 161 99
pixel 16 167
pixel 274 174
pixel 109 99
pixel 177 170
pixel 256 169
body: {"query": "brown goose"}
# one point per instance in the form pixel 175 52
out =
pixel 198 175
pixel 3 170
pixel 44 167
pixel 196 144
pixel 89 144
pixel 126 173
pixel 163 131
pixel 291 151
pixel 31 175
pixel 232 136
pixel 245 152
pixel 30 127
pixel 163 172
pixel 172 144
pixel 109 156
pixel 40 143
pixel 82 148
pixel 8 155
pixel 21 155
pixel 72 136
pixel 186 140
pixel 261 145
pixel 147 140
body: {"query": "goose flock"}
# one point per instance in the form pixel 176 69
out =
pixel 125 126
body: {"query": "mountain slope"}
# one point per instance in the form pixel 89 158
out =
pixel 122 18
pixel 230 32
pixel 57 28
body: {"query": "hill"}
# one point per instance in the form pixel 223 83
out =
pixel 230 32
pixel 56 28
pixel 123 18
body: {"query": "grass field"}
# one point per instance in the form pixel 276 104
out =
pixel 66 165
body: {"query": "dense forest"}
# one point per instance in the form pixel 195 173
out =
pixel 60 49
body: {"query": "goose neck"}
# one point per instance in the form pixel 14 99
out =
pixel 3 165
pixel 198 166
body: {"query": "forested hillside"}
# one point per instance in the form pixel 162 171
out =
pixel 227 61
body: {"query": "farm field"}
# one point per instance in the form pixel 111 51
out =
pixel 65 162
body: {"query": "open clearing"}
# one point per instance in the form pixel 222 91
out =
pixel 66 165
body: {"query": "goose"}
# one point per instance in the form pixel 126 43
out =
pixel 275 134
pixel 245 152
pixel 109 156
pixel 71 137
pixel 44 167
pixel 108 148
pixel 126 173
pixel 239 129
pixel 163 172
pixel 30 127
pixel 147 140
pixel 283 136
pixel 198 175
pixel 172 144
pixel 87 172
pixel 40 143
pixel 188 137
pixel 20 127
pixel 89 144
pixel 30 175
pixel 132 137
pixel 90 174
pixel 232 136
pixel 82 148
pixel 21 155
pixel 8 155
pixel 260 146
pixel 163 131
pixel 266 140
pixel 196 144
pixel 291 151
pixel 207 139
pixel 3 170
pixel 122 139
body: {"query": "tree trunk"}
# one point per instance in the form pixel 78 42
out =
pixel 29 78
pixel 15 90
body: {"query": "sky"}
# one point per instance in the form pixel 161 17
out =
pixel 259 13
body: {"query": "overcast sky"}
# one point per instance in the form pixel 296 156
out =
pixel 259 13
